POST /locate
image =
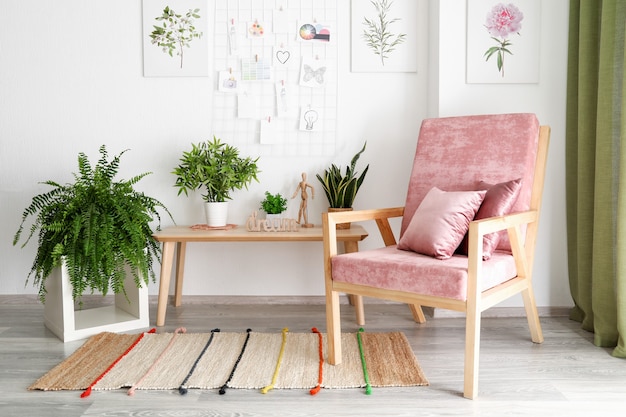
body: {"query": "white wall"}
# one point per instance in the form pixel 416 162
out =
pixel 546 99
pixel 71 80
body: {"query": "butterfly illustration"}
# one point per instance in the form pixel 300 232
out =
pixel 310 73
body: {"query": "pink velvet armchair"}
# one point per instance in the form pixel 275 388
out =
pixel 468 231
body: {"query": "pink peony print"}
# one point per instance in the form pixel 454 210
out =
pixel 502 21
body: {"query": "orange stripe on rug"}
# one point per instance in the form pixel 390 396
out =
pixel 317 387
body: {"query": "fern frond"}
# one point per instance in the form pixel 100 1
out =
pixel 97 226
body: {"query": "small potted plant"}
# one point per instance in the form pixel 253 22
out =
pixel 217 168
pixel 273 205
pixel 97 232
pixel 341 189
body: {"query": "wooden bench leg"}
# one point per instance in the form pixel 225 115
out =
pixel 167 257
pixel 351 246
pixel 181 248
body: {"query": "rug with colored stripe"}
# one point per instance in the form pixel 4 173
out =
pixel 222 360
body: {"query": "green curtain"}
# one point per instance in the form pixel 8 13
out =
pixel 596 169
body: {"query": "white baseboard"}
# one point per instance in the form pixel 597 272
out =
pixel 546 311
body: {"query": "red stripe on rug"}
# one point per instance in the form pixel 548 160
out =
pixel 87 392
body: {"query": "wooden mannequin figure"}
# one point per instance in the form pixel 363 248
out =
pixel 303 217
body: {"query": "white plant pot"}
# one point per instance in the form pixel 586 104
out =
pixel 274 219
pixel 68 324
pixel 216 214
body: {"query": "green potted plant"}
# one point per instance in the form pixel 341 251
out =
pixel 216 167
pixel 341 189
pixel 273 204
pixel 96 229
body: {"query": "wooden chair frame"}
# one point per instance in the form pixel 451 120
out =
pixel 523 250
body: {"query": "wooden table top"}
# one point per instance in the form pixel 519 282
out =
pixel 241 234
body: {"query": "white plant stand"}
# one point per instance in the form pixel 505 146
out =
pixel 69 324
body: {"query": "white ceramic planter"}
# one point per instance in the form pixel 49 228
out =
pixel 68 324
pixel 216 214
pixel 274 219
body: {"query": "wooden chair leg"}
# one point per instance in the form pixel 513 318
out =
pixel 418 313
pixel 350 299
pixel 333 327
pixel 359 310
pixel 532 315
pixel 472 350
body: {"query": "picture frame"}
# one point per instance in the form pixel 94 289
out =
pixel 503 41
pixel 391 20
pixel 175 38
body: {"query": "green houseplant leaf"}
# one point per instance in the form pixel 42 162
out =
pixel 273 204
pixel 97 225
pixel 215 166
pixel 341 189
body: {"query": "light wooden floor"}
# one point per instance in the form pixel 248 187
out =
pixel 565 376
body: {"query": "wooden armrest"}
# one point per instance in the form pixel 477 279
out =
pixel 363 215
pixel 511 223
pixel 381 216
pixel 496 224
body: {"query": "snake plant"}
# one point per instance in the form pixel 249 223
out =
pixel 341 189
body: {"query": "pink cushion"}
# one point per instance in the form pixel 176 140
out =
pixel 400 270
pixel 498 201
pixel 440 222
pixel 454 153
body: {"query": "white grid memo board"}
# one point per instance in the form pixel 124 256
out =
pixel 280 36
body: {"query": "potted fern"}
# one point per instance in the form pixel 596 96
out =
pixel 340 188
pixel 273 205
pixel 216 167
pixel 96 231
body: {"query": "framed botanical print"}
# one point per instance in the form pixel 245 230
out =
pixel 503 41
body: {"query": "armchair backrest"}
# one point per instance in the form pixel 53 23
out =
pixel 456 153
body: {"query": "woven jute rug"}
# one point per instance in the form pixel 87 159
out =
pixel 222 360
